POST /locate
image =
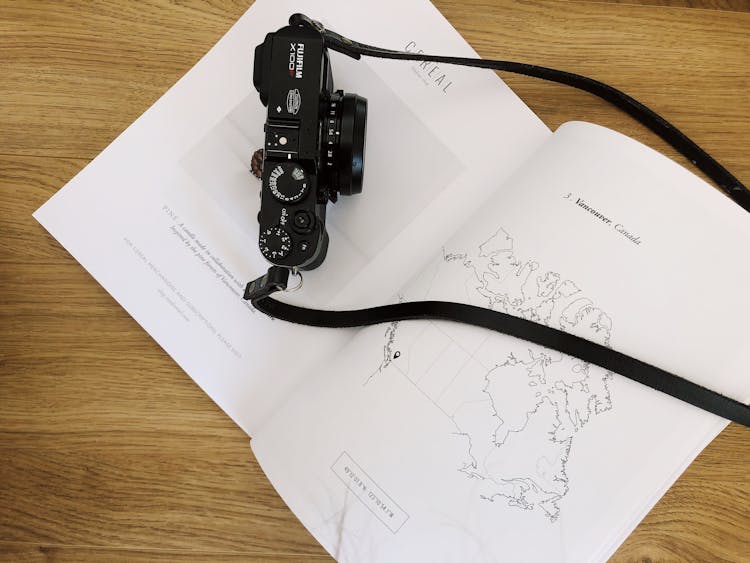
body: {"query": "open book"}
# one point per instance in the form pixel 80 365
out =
pixel 418 439
pixel 438 441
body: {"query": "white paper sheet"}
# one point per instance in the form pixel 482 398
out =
pixel 164 218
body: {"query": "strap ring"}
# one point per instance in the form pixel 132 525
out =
pixel 295 272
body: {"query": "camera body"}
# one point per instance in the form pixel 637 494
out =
pixel 313 149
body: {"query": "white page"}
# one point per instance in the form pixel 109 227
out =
pixel 434 441
pixel 165 217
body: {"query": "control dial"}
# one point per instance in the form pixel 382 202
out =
pixel 288 182
pixel 275 243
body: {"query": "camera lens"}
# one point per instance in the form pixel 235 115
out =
pixel 352 144
pixel 343 143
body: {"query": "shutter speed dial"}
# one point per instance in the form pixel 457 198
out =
pixel 275 243
pixel 288 182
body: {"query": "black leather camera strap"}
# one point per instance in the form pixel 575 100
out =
pixel 260 290
pixel 276 279
pixel 646 116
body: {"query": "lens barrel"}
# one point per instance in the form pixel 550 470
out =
pixel 343 143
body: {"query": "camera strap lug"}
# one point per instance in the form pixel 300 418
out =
pixel 333 40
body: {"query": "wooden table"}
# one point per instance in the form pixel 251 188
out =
pixel 108 450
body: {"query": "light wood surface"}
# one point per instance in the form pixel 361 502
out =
pixel 108 451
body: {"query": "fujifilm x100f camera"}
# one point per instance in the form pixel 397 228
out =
pixel 314 145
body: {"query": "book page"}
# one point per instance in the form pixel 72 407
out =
pixel 438 441
pixel 165 217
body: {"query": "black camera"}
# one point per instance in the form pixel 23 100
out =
pixel 314 144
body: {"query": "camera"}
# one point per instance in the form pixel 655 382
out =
pixel 314 144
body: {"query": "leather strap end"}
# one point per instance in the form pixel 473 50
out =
pixel 276 279
pixel 333 40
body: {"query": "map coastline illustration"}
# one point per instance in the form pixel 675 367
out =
pixel 516 406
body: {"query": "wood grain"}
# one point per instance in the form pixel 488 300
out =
pixel 108 451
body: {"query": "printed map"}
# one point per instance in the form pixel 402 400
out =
pixel 517 406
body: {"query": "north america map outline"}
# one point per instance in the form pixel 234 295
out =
pixel 517 406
